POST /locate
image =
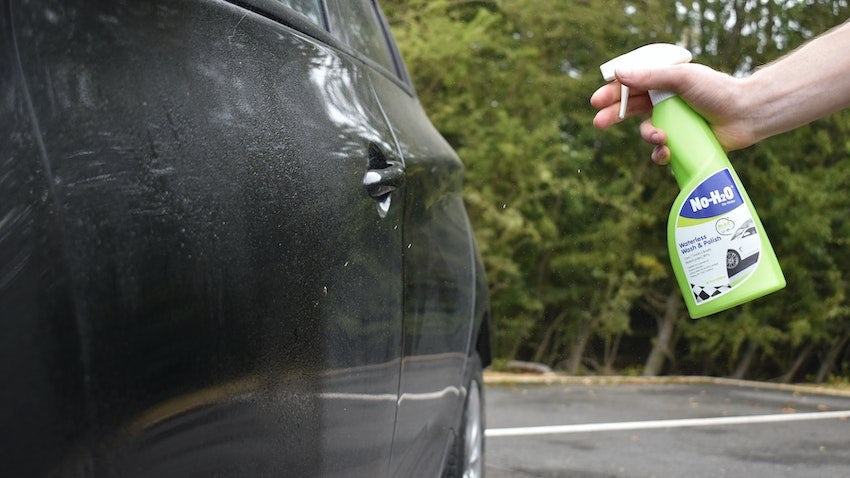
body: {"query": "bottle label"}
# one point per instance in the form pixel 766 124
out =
pixel 716 238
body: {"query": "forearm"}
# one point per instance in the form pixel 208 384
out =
pixel 811 82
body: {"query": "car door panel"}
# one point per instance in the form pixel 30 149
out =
pixel 441 279
pixel 34 285
pixel 234 294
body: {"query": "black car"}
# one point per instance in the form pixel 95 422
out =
pixel 231 244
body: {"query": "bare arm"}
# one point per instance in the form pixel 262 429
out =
pixel 811 82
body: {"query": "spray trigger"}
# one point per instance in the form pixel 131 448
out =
pixel 648 56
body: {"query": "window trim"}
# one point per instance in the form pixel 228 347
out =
pixel 294 19
pixel 401 69
pixel 326 19
pixel 397 77
pixel 291 18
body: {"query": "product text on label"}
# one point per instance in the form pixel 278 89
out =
pixel 714 197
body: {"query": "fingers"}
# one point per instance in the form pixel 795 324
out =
pixel 607 100
pixel 606 95
pixel 660 155
pixel 652 135
pixel 609 94
pixel 609 115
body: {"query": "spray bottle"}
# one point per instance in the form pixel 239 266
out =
pixel 718 248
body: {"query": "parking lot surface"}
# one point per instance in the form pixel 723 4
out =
pixel 665 430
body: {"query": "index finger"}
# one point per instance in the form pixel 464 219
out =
pixel 606 95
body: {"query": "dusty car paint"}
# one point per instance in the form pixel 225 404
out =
pixel 193 279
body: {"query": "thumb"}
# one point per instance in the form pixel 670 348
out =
pixel 676 78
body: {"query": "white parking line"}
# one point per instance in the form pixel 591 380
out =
pixel 649 424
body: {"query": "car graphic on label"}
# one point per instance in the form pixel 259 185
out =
pixel 743 245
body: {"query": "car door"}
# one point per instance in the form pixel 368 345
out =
pixel 442 281
pixel 230 295
pixel 439 289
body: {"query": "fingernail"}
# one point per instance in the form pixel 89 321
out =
pixel 657 155
pixel 655 138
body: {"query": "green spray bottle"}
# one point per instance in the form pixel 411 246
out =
pixel 718 248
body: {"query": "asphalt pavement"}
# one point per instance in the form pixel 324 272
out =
pixel 665 430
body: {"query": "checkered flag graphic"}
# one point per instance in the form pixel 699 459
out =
pixel 704 293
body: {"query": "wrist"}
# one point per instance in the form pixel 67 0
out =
pixel 754 108
pixel 734 112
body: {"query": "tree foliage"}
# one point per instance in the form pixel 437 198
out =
pixel 571 220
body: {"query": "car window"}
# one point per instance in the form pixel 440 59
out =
pixel 311 9
pixel 356 23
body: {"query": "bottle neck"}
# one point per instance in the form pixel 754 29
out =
pixel 657 96
pixel 694 149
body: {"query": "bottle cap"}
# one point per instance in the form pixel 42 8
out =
pixel 648 56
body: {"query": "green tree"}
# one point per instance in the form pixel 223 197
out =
pixel 571 220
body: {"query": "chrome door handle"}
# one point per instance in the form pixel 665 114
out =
pixel 381 182
pixel 382 178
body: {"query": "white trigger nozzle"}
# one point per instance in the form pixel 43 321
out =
pixel 624 100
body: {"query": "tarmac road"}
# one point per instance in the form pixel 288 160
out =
pixel 637 440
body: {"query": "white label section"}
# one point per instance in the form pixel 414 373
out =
pixel 716 238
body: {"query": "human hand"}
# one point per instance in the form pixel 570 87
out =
pixel 719 98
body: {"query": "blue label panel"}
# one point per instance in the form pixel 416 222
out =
pixel 715 196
